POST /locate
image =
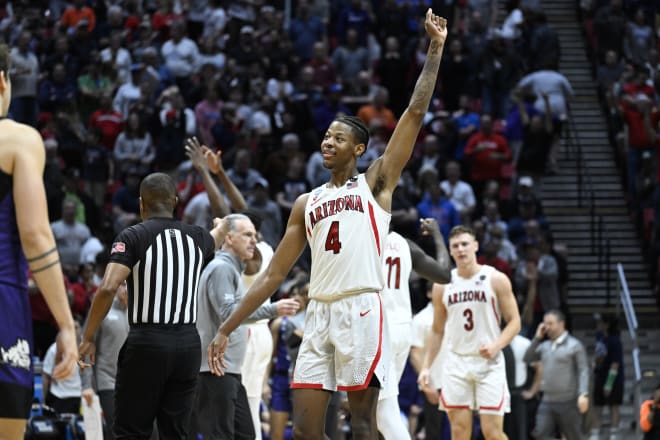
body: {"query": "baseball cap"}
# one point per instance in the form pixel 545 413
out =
pixel 247 29
pixel 526 181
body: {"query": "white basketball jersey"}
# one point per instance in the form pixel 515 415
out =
pixel 346 230
pixel 473 312
pixel 397 265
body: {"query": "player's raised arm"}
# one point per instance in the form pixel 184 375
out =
pixel 385 172
pixel 287 253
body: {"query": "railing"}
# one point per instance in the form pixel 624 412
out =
pixel 600 243
pixel 625 302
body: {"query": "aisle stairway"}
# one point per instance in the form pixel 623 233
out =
pixel 567 197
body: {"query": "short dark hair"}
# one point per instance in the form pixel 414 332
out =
pixel 4 59
pixel 158 192
pixel 557 314
pixel 358 127
pixel 461 229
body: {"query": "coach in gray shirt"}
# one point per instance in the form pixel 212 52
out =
pixel 565 381
pixel 109 340
pixel 222 406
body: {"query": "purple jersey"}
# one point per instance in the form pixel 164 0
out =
pixel 15 315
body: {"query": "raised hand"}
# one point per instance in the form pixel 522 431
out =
pixel 436 27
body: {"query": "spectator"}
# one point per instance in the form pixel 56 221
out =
pixel 388 69
pixel 353 17
pixel 177 123
pixel 349 59
pixel 57 92
pixel 432 157
pixel 215 21
pixel 129 92
pixel 467 123
pixel 555 86
pixel 489 255
pixel 486 152
pixel 24 78
pixel 125 202
pixel 324 71
pixel 536 283
pixel 96 170
pixel 134 148
pixel 61 395
pixel 435 205
pixel 117 58
pixel 455 75
pixel 538 136
pixel 83 290
pixel 544 46
pixel 504 248
pixel 246 50
pixel 260 202
pixel 92 85
pixel 242 173
pixel 329 107
pixel 639 38
pixel 492 218
pixel 649 416
pixel 565 378
pixel 378 109
pixel 305 30
pixel 78 14
pixel 499 72
pixel 292 185
pixel 108 120
pixel 609 26
pixel 180 54
pixel 608 376
pixel 70 235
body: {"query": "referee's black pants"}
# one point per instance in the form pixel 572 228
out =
pixel 157 374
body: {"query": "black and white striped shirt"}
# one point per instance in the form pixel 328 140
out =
pixel 166 258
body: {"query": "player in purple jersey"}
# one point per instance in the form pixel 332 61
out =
pixel 26 242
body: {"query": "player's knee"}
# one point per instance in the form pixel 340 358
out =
pixel 492 432
pixel 305 431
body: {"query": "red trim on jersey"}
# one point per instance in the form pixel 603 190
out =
pixel 306 386
pixel 497 315
pixel 376 358
pixel 309 231
pixel 374 227
pixel 447 406
pixel 495 408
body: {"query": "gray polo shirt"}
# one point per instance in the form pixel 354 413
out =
pixel 109 340
pixel 220 290
pixel 565 367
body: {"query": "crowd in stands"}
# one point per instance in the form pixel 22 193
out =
pixel 116 87
pixel 624 43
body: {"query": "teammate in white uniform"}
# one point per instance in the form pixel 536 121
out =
pixel 260 342
pixel 345 223
pixel 401 257
pixel 468 313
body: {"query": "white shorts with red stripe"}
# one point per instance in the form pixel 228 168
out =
pixel 472 382
pixel 343 345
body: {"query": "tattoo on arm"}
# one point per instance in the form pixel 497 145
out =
pixel 42 268
pixel 427 79
pixel 45 254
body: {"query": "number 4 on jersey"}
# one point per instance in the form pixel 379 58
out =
pixel 332 242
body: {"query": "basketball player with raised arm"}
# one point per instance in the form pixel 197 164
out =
pixel 26 241
pixel 467 317
pixel 345 222
pixel 401 257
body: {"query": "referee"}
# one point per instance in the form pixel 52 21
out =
pixel 161 259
